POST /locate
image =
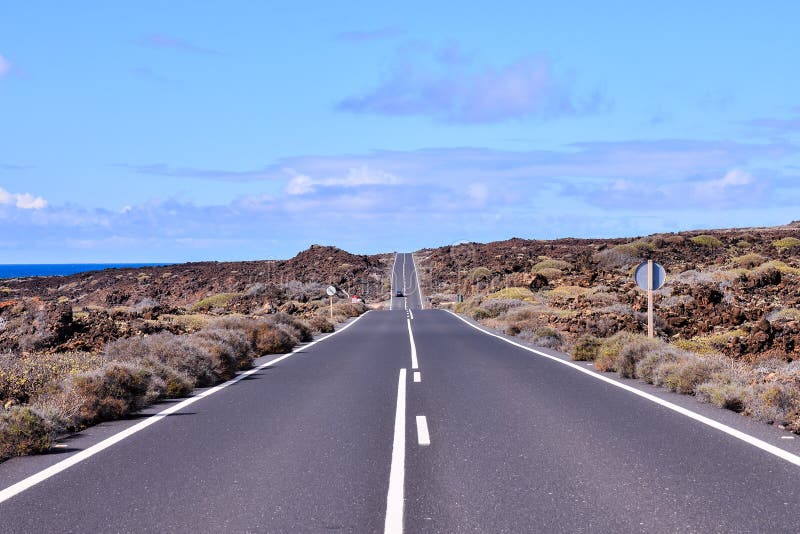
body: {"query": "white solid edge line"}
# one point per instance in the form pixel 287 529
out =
pixel 419 289
pixel 417 376
pixel 414 362
pixel 36 478
pixel 394 497
pixel 410 313
pixel 423 436
pixel 738 434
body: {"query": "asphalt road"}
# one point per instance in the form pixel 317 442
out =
pixel 515 443
pixel 405 280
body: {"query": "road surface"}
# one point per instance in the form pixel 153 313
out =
pixel 405 280
pixel 420 424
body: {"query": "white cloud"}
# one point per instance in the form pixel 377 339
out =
pixel 24 201
pixel 301 184
pixel 5 66
pixel 733 179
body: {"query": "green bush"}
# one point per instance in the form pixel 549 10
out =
pixel 480 273
pixel 586 348
pixel 749 261
pixel 707 241
pixel 517 293
pixel 723 393
pixel 23 431
pixel 558 265
pixel 608 355
pixel 214 301
pixel 24 376
pixel 481 313
pixel 786 243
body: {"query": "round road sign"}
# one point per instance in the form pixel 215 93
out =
pixel 659 275
pixel 331 291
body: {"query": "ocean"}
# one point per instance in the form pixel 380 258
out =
pixel 63 269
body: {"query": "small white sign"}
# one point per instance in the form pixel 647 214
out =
pixel 331 291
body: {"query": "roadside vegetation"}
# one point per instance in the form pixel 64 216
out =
pixel 727 320
pixel 146 353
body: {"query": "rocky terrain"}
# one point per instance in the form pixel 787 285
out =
pixel 84 311
pixel 96 346
pixel 734 291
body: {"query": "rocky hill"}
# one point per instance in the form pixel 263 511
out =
pixel 86 310
pixel 736 291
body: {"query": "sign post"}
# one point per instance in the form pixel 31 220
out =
pixel 331 291
pixel 650 276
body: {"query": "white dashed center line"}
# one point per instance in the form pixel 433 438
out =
pixel 414 362
pixel 423 436
pixel 417 376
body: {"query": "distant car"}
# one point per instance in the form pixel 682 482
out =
pixel 399 293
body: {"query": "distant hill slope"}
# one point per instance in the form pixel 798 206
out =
pixel 185 284
pixel 736 290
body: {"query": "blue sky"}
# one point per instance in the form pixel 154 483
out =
pixel 178 131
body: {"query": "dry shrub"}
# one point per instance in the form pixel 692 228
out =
pixel 480 273
pixel 772 402
pixel 321 324
pixel 723 393
pixel 299 328
pixel 349 309
pixel 270 339
pixel 165 350
pixel 481 313
pixel 23 431
pixel 749 261
pixel 646 367
pixel 220 300
pixel 616 257
pixel 634 351
pixel 586 348
pixel 115 390
pixel 684 374
pixel 598 297
pixel 23 376
pixel 236 339
pixel 222 357
pixel 498 307
pixel 608 356
pixel 545 337
pixel 550 274
pixel 515 328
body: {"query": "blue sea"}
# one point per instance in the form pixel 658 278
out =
pixel 63 269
